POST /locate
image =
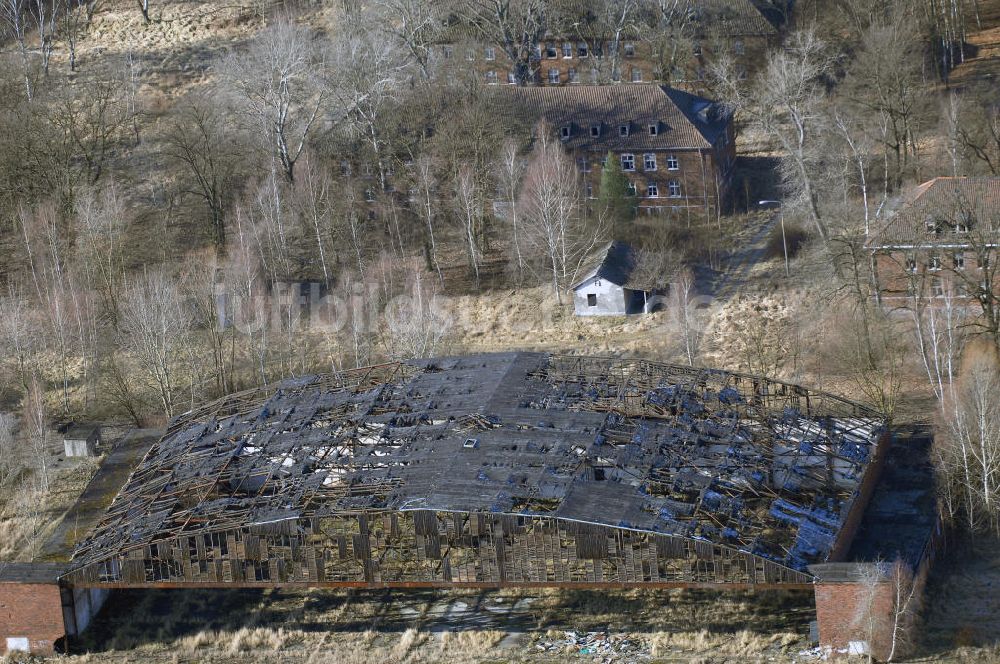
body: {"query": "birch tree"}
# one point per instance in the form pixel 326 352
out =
pixel 154 329
pixel 277 82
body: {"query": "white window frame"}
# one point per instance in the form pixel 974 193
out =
pixel 511 77
pixel 629 49
pixel 565 132
pixel 673 163
pixel 623 130
pixel 490 53
pixel 582 50
pixel 553 75
pixel 636 75
pixel 572 75
pixel 551 52
pixel 631 160
pixel 491 78
pixel 654 129
pixel 649 161
pixel 631 188
pixel 652 190
pixel 958 260
pixel 675 186
pixel 595 131
pixel 934 263
pixel 567 50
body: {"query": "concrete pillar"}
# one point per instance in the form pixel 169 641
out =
pixel 856 608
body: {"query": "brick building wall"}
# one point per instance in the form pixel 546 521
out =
pixel 933 272
pixel 692 182
pixel 851 620
pixel 31 616
pixel 569 62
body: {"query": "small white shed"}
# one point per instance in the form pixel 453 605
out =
pixel 81 440
pixel 606 289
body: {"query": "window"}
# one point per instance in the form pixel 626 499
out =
pixel 470 55
pixel 623 130
pixel 538 52
pixel 511 78
pixel 491 77
pixel 567 49
pixel 369 195
pixel 591 299
pixel 937 287
pixel 581 50
pixel 629 50
pixel 674 189
pixel 636 75
pixel 628 162
pixel 964 223
pixel 652 191
pixel 631 188
pixel 595 131
pixel 673 164
pixel 649 161
pixel 589 188
pixel 572 76
pixel 598 50
pixel 697 49
pixel 934 263
pixel 958 260
pixel 448 50
pixel 565 131
pixel 738 47
pixel 583 164
pixel 490 53
pixel 550 49
pixel 654 129
pixel 553 75
pixel 911 264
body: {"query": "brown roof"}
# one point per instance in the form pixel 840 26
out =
pixel 732 18
pixel 942 211
pixel 682 120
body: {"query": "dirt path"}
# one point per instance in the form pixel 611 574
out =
pixel 742 262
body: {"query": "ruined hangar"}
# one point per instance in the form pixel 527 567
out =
pixel 495 470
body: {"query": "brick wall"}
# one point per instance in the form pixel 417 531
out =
pixel 31 611
pixel 843 618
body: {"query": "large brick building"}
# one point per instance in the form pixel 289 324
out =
pixel 940 244
pixel 676 50
pixel 676 149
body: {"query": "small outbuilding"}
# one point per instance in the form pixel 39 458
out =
pixel 610 286
pixel 81 440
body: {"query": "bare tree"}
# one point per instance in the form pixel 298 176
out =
pixel 37 431
pixel 415 26
pixel 144 8
pixel 515 27
pixel 785 102
pixel 277 81
pixel 154 328
pixel 45 14
pixel 10 461
pixel 550 207
pixel 15 15
pixel 509 174
pixel 469 206
pixel 683 309
pixel 425 205
pixel 199 141
pixel 415 324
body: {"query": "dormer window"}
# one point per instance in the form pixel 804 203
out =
pixel 595 131
pixel 623 130
pixel 564 132
pixel 654 129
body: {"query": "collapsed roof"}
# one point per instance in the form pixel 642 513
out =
pixel 764 468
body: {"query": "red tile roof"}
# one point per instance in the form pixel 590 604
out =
pixel 942 211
